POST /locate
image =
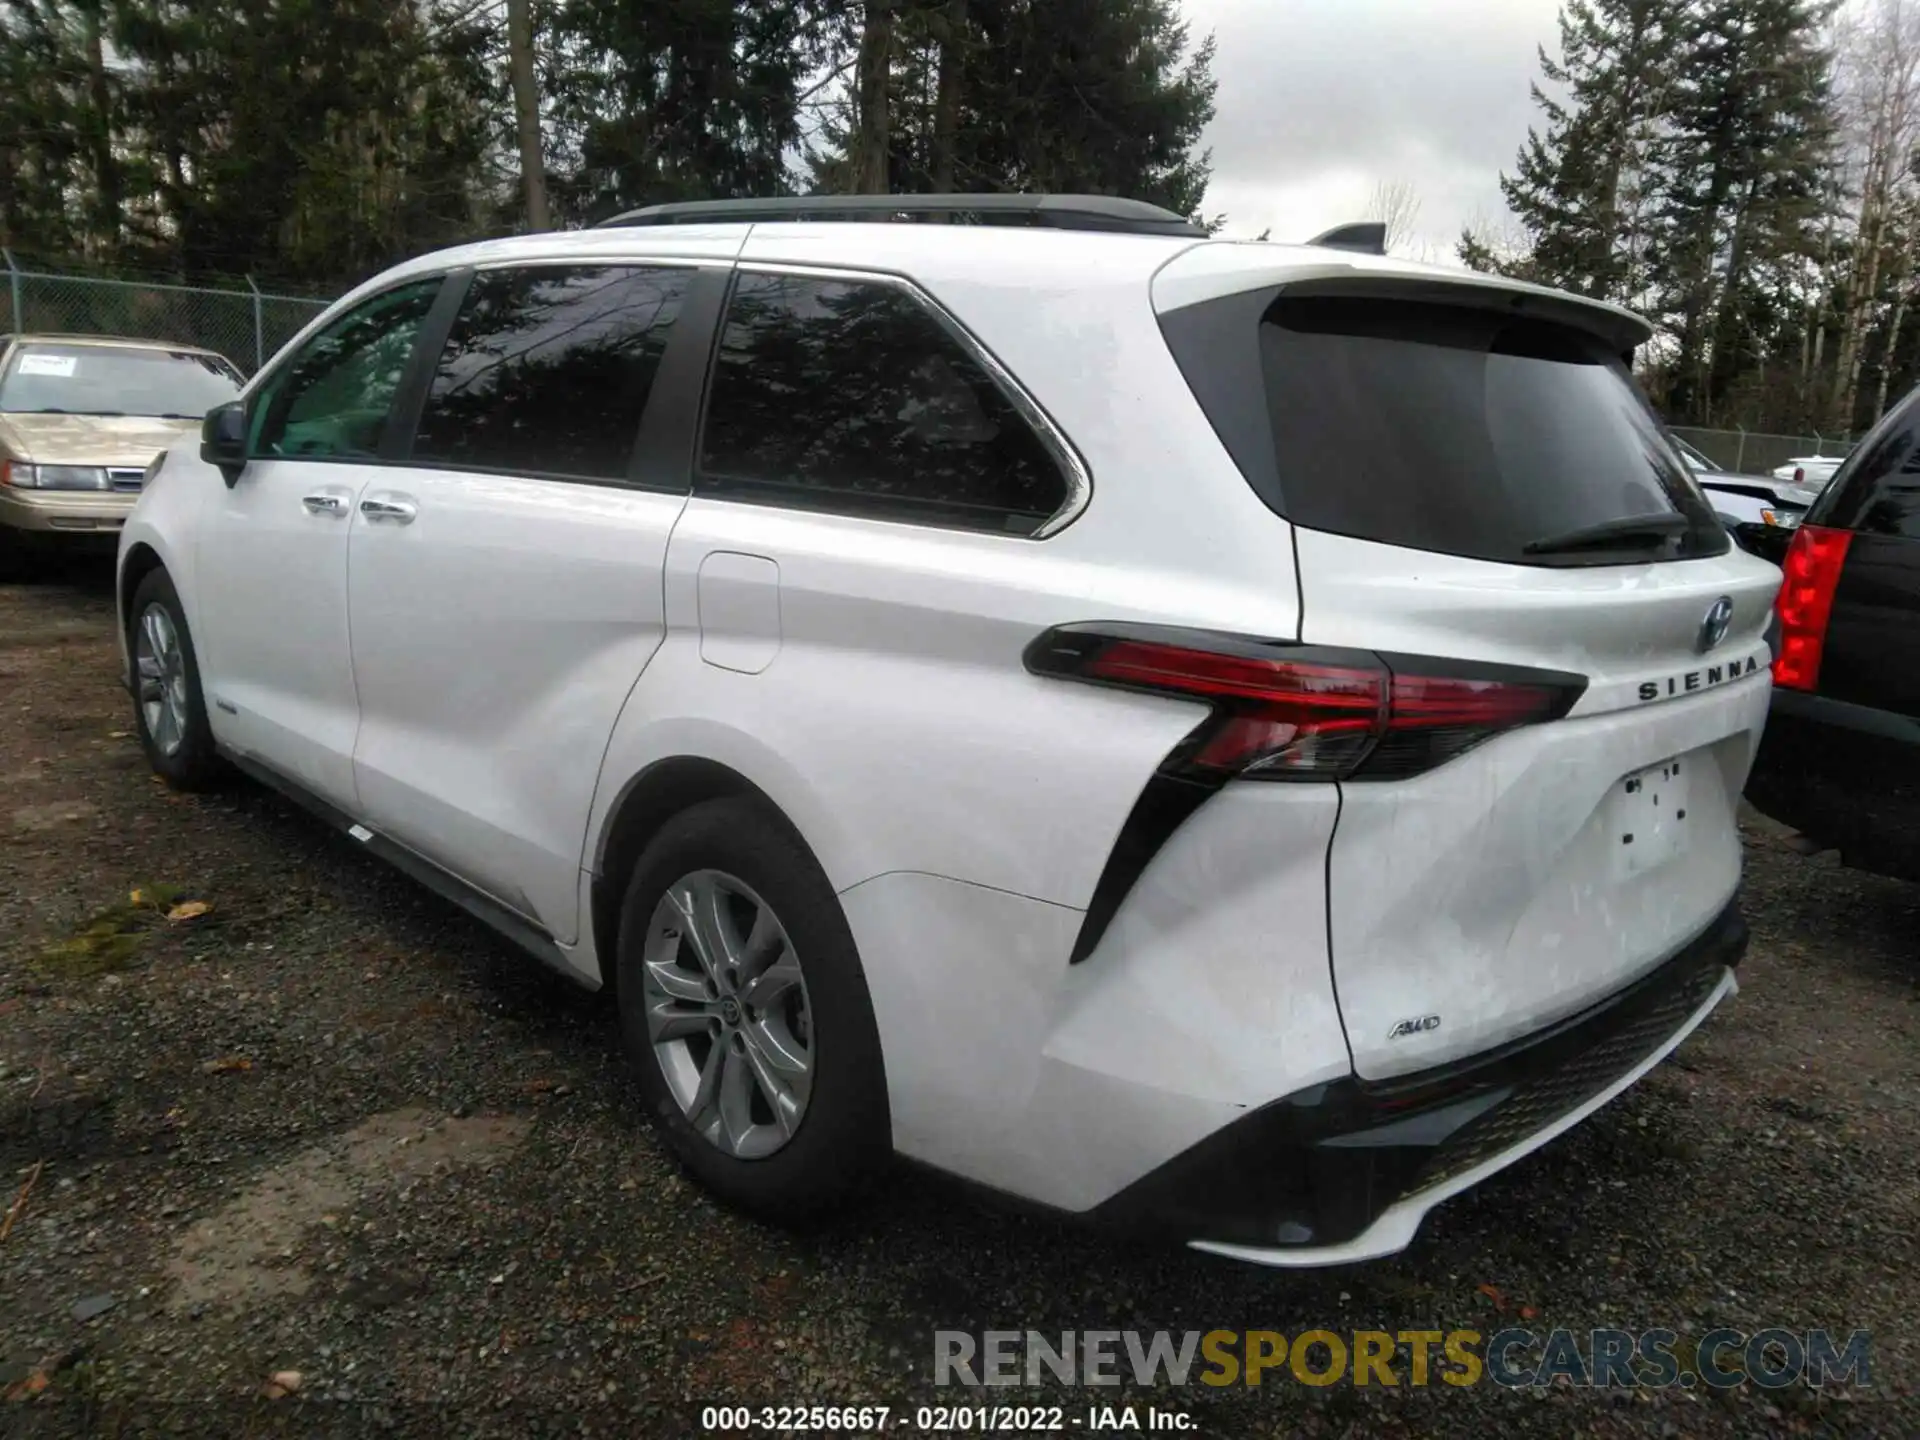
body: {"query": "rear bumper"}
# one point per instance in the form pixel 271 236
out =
pixel 1846 775
pixel 66 512
pixel 1346 1171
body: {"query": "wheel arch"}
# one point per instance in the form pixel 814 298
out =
pixel 664 788
pixel 140 561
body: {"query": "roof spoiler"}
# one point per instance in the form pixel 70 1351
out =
pixel 1368 237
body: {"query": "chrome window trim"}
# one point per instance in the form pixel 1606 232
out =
pixel 599 260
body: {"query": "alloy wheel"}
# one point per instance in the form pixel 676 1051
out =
pixel 161 666
pixel 728 1014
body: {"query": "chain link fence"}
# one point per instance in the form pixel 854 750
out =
pixel 1750 452
pixel 247 326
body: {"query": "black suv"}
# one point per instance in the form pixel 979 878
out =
pixel 1841 758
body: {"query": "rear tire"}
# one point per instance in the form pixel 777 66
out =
pixel 745 1010
pixel 169 709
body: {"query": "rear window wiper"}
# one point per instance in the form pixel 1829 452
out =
pixel 1629 531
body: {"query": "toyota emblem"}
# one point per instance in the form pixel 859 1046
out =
pixel 1713 629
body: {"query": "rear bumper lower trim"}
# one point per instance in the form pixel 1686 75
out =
pixel 1393 1230
pixel 1345 1169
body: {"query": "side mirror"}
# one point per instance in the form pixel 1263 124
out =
pixel 223 440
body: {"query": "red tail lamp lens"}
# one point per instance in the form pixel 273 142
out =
pixel 1292 712
pixel 1812 574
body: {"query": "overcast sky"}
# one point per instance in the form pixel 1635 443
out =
pixel 1320 99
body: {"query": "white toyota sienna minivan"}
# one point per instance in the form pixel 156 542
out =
pixel 1235 741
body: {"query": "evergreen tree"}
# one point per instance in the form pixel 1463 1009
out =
pixel 1580 188
pixel 1686 167
pixel 45 115
pixel 1744 185
pixel 1103 96
pixel 295 139
pixel 694 100
pixel 1097 95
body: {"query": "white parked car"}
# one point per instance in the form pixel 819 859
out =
pixel 1810 470
pixel 1747 499
pixel 1236 741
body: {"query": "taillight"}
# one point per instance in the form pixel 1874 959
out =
pixel 1301 712
pixel 1434 716
pixel 1812 573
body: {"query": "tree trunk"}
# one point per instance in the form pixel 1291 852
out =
pixel 871 148
pixel 1718 369
pixel 1815 409
pixel 1699 311
pixel 526 108
pixel 1813 330
pixel 184 203
pixel 946 105
pixel 1865 281
pixel 1904 286
pixel 10 226
pixel 106 170
pixel 1606 284
pixel 1894 325
pixel 1689 367
pixel 1881 60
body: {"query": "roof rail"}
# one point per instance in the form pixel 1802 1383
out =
pixel 1058 212
pixel 1368 237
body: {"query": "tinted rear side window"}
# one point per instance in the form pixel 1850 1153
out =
pixel 1445 428
pixel 1878 489
pixel 547 370
pixel 850 396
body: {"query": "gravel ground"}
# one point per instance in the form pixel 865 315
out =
pixel 334 1127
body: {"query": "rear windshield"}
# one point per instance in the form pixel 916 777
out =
pixel 56 379
pixel 1446 428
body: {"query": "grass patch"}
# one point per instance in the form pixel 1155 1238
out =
pixel 113 938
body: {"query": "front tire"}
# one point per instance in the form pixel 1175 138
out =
pixel 169 709
pixel 17 557
pixel 745 1009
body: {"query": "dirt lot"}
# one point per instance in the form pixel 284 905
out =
pixel 332 1126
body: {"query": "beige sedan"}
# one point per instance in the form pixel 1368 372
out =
pixel 81 418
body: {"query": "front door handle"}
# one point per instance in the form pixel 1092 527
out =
pixel 324 502
pixel 389 510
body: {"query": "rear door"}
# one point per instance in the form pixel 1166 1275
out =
pixel 1473 482
pixel 506 581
